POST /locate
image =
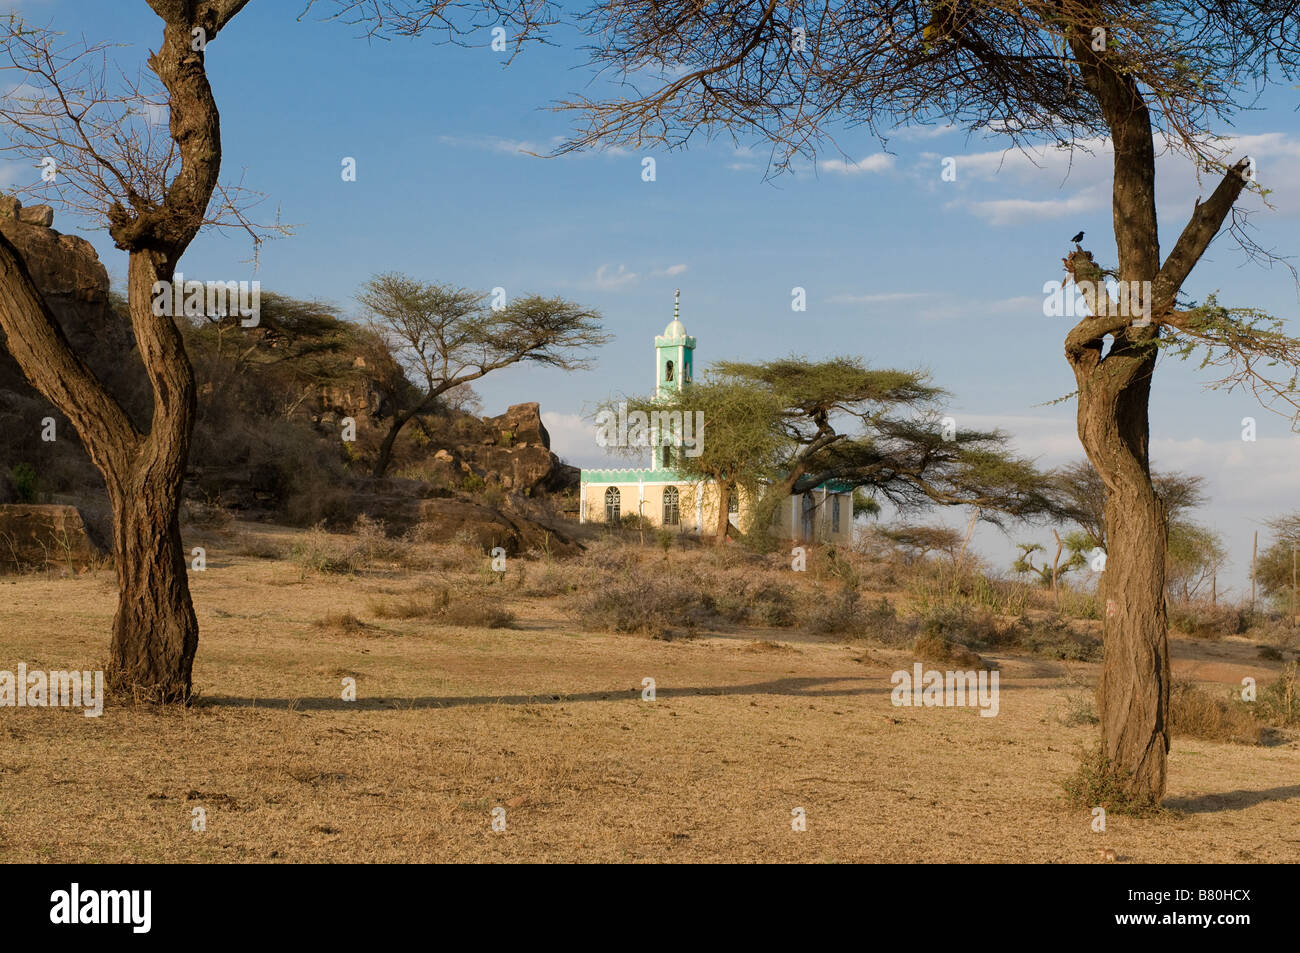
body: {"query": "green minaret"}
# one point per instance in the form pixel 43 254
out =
pixel 674 368
pixel 674 353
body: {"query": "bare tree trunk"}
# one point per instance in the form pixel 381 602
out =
pixel 1056 564
pixel 155 632
pixel 385 458
pixel 1114 392
pixel 723 520
pixel 400 420
pixel 1254 553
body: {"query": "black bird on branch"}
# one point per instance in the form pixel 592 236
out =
pixel 1077 238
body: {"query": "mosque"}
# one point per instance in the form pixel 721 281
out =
pixel 669 500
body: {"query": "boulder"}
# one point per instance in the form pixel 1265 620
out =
pixel 41 215
pixel 521 424
pixel 449 518
pixel 44 535
pixel 75 286
pixel 531 469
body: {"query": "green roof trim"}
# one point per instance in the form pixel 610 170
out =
pixel 614 475
pixel 637 474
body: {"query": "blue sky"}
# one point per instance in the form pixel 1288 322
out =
pixel 900 268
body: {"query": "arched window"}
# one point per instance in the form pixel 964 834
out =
pixel 612 505
pixel 835 513
pixel 672 511
pixel 668 371
pixel 733 502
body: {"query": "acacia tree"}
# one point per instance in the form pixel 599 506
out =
pixel 788 426
pixel 65 100
pixel 1276 568
pixel 736 445
pixel 882 430
pixel 1083 496
pixel 153 194
pixel 448 337
pixel 787 71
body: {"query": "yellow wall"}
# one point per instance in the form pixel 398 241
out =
pixel 784 524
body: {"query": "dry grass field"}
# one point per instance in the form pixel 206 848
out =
pixel 545 719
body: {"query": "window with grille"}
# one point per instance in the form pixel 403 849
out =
pixel 672 509
pixel 612 505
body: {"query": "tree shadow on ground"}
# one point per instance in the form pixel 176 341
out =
pixel 1231 800
pixel 797 687
pixel 806 687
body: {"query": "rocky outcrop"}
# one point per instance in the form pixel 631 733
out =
pixel 42 536
pixel 521 426
pixel 74 283
pixel 449 518
pixel 75 287
pixel 512 450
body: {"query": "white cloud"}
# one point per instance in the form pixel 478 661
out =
pixel 672 271
pixel 1041 174
pixel 1016 211
pixel 501 144
pixel 878 298
pixel 878 162
pixel 525 147
pixel 573 440
pixel 923 132
pixel 612 280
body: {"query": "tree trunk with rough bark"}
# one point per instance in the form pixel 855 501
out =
pixel 1114 395
pixel 723 519
pixel 1133 693
pixel 155 632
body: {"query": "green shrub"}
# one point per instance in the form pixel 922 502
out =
pixel 1098 782
pixel 25 482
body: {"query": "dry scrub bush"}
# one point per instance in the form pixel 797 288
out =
pixel 974 628
pixel 1051 637
pixel 1274 632
pixel 471 607
pixel 366 546
pixel 410 606
pixel 1046 636
pixel 933 586
pixel 476 614
pixel 205 516
pixel 1279 703
pixel 342 623
pixel 552 581
pixel 1203 620
pixel 247 544
pixel 933 648
pixel 1194 713
pixel 324 552
pixel 654 600
pixel 1080 709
